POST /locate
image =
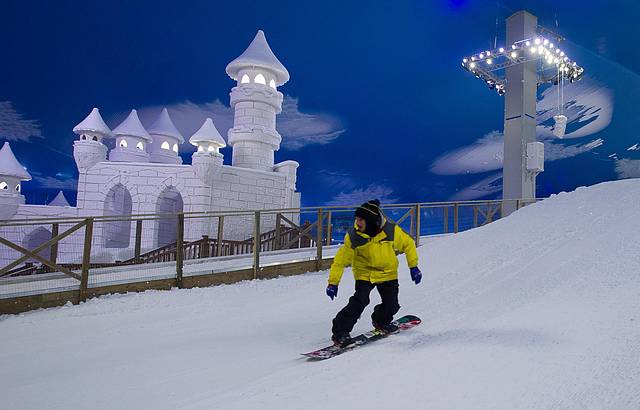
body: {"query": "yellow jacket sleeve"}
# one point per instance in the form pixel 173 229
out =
pixel 406 245
pixel 343 258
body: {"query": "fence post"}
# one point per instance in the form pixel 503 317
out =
pixel 489 218
pixel 138 245
pixel 278 231
pixel 86 258
pixel 256 245
pixel 418 212
pixel 205 246
pixel 412 224
pixel 517 204
pixel 475 216
pixel 54 248
pixel 220 233
pixel 180 250
pixel 329 229
pixel 455 218
pixel 502 209
pixel 319 240
pixel 446 219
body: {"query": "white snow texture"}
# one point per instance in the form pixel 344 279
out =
pixel 539 310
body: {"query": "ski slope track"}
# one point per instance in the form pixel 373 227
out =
pixel 538 310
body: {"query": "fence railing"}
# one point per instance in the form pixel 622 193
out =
pixel 83 254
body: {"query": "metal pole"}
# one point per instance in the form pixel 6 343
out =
pixel 455 218
pixel 180 250
pixel 138 245
pixel 54 248
pixel 86 258
pixel 418 212
pixel 256 245
pixel 329 228
pixel 519 114
pixel 319 240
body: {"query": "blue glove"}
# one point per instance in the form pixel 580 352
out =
pixel 332 291
pixel 416 275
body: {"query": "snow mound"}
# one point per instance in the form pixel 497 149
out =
pixel 537 310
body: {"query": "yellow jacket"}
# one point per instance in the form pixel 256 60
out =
pixel 373 259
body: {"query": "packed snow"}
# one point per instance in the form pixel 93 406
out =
pixel 537 310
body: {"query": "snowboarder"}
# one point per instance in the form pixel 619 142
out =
pixel 370 248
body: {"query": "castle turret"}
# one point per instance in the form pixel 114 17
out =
pixel 166 140
pixel 131 141
pixel 88 150
pixel 207 158
pixel 11 174
pixel 256 102
pixel 59 200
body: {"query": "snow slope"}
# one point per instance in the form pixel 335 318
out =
pixel 538 310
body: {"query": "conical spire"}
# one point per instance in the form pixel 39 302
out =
pixel 132 126
pixel 259 54
pixel 208 134
pixel 165 127
pixel 94 123
pixel 9 165
pixel 59 200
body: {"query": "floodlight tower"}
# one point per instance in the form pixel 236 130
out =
pixel 529 59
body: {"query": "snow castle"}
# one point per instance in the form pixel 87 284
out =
pixel 143 173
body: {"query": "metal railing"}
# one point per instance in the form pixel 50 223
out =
pixel 90 255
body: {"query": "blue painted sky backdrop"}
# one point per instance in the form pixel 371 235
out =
pixel 377 105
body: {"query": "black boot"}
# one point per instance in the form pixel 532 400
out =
pixel 388 328
pixel 342 340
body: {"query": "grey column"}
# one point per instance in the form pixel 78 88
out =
pixel 519 116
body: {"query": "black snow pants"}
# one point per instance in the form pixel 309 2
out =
pixel 382 314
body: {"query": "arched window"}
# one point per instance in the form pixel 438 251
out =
pixel 83 137
pixel 95 138
pixel 123 143
pixel 200 148
pixel 175 148
pixel 18 188
pixel 3 185
pixel 165 145
pixel 35 238
pixel 140 145
pixel 260 79
pixel 117 234
pixel 169 204
pixel 211 148
pixel 272 84
pixel 245 79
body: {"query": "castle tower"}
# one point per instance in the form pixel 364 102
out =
pixel 88 150
pixel 11 173
pixel 256 102
pixel 166 140
pixel 208 157
pixel 131 141
pixel 59 200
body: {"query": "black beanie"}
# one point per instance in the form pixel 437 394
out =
pixel 371 213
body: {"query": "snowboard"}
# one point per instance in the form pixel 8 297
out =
pixel 403 323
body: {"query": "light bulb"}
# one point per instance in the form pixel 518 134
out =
pixel 537 41
pixel 489 61
pixel 514 54
pixel 464 60
pixel 501 50
pixel 528 43
pixel 545 42
pixel 481 55
pixel 472 65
